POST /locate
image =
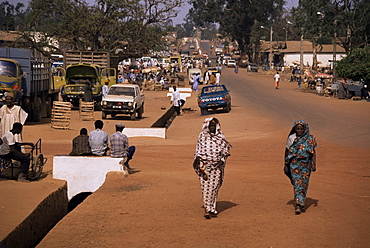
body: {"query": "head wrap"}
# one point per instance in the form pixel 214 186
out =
pixel 304 145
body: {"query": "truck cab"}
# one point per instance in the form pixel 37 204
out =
pixel 11 77
pixel 80 74
pixel 123 99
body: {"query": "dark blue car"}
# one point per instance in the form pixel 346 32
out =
pixel 214 97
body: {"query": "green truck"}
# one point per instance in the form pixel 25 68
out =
pixel 27 74
pixel 82 67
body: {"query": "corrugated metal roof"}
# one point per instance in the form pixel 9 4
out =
pixel 295 47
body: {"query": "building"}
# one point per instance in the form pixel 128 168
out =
pixel 289 53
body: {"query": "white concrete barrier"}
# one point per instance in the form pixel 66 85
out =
pixel 145 132
pixel 84 173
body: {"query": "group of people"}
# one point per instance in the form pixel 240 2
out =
pixel 212 151
pixel 96 144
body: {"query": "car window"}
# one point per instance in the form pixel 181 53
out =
pixel 213 89
pixel 122 91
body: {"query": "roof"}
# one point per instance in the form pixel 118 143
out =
pixel 10 36
pixel 124 85
pixel 295 47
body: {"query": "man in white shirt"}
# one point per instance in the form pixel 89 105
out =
pixel 10 114
pixel 218 78
pixel 277 80
pixel 10 149
pixel 176 99
pixel 98 140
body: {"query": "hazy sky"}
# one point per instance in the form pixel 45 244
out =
pixel 179 19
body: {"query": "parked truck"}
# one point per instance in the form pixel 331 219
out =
pixel 82 67
pixel 26 73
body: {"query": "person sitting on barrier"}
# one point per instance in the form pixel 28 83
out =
pixel 81 145
pixel 10 149
pixel 98 140
pixel 119 145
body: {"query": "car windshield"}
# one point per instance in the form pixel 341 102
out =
pixel 212 89
pixel 7 69
pixel 126 91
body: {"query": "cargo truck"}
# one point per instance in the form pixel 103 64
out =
pixel 26 73
pixel 82 67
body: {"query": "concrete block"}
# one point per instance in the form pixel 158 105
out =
pixel 84 173
pixel 145 132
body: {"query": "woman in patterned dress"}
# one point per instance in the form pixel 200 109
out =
pixel 300 160
pixel 211 153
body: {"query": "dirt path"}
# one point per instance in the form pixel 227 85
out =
pixel 160 206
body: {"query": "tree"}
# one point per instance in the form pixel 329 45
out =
pixel 133 26
pixel 12 17
pixel 238 19
pixel 356 65
pixel 322 20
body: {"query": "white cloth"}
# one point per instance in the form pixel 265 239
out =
pixel 176 98
pixel 290 141
pixel 9 116
pixel 105 89
pixel 218 77
pixel 277 77
pixel 4 147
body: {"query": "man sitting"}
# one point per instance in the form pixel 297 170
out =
pixel 10 149
pixel 98 140
pixel 80 144
pixel 119 145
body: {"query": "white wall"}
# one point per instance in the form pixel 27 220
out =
pixel 84 173
pixel 308 57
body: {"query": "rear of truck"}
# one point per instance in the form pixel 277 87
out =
pixel 214 97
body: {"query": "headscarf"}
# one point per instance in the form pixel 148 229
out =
pixel 212 146
pixel 302 146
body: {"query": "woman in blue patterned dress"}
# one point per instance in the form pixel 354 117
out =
pixel 211 153
pixel 300 160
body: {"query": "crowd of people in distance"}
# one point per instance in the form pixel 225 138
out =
pixel 96 144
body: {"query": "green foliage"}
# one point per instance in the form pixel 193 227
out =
pixel 133 26
pixel 356 65
pixel 321 20
pixel 238 19
pixel 12 17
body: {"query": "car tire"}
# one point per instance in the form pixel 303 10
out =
pixel 103 115
pixel 203 111
pixel 133 115
pixel 228 108
pixel 140 112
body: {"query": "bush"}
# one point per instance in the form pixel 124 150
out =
pixel 356 65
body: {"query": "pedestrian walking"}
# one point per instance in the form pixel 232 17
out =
pixel 299 82
pixel 196 80
pixel 176 100
pixel 300 161
pixel 105 88
pixel 236 69
pixel 211 152
pixel 249 70
pixel 277 80
pixel 342 90
pixel 218 77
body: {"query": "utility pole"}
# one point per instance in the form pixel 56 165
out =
pixel 334 49
pixel 271 54
pixel 301 54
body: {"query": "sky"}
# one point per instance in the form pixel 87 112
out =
pixel 180 17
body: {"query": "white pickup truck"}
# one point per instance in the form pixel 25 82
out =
pixel 123 99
